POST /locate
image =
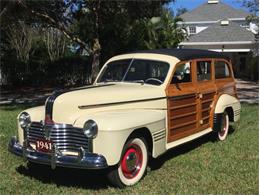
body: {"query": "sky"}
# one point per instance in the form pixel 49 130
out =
pixel 191 4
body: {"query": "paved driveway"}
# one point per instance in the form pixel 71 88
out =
pixel 247 92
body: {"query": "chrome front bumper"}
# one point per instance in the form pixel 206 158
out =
pixel 84 160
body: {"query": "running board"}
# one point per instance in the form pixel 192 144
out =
pixel 187 139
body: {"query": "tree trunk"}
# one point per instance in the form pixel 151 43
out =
pixel 95 61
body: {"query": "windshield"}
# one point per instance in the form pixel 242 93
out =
pixel 135 70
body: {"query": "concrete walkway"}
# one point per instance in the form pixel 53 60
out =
pixel 247 92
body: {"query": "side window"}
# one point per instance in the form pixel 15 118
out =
pixel 182 73
pixel 221 70
pixel 203 70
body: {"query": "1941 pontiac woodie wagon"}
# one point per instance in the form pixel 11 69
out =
pixel 141 105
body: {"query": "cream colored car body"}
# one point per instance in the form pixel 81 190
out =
pixel 118 111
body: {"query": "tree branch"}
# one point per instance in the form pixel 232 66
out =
pixel 58 26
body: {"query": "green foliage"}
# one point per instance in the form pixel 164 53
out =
pixel 93 28
pixel 251 5
pixel 198 167
pixel 163 32
pixel 67 71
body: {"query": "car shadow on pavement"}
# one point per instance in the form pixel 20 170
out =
pixel 79 178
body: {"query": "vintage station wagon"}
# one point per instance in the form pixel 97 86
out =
pixel 141 105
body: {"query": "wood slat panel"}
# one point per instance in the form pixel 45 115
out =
pixel 182 134
pixel 182 112
pixel 181 122
pixel 182 106
pixel 183 115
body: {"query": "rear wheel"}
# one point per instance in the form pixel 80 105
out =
pixel 132 165
pixel 222 134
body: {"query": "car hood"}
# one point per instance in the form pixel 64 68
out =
pixel 68 106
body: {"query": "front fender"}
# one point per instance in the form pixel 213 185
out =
pixel 114 128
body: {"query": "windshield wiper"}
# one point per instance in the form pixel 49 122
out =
pixel 110 80
pixel 136 81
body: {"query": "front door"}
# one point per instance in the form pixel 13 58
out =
pixel 182 102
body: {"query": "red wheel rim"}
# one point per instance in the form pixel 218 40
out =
pixel 131 162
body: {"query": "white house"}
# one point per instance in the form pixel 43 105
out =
pixel 220 27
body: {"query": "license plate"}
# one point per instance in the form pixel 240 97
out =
pixel 44 145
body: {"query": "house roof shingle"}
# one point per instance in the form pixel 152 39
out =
pixel 213 12
pixel 223 33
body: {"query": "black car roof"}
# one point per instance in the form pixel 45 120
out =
pixel 186 54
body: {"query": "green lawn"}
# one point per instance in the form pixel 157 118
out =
pixel 199 167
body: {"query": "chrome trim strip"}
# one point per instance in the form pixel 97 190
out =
pixel 123 102
pixel 64 136
pixel 159 135
pixel 159 139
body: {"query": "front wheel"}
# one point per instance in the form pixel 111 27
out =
pixel 222 134
pixel 132 165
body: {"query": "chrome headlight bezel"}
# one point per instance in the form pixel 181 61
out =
pixel 90 129
pixel 24 120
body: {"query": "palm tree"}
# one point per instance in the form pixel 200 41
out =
pixel 164 32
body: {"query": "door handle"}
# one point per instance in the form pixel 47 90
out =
pixel 200 95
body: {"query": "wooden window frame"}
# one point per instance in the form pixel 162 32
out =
pixel 169 84
pixel 212 69
pixel 231 73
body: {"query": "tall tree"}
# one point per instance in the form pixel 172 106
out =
pixel 164 32
pixel 105 25
pixel 99 28
pixel 55 43
pixel 20 39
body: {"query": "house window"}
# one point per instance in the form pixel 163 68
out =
pixel 192 29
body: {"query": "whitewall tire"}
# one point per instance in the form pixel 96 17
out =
pixel 222 134
pixel 132 165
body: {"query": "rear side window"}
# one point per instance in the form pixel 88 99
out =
pixel 203 70
pixel 221 70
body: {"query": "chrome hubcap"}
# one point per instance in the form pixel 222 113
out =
pixel 132 161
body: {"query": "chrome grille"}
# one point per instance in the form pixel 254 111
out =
pixel 65 137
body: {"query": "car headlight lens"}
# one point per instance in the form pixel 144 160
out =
pixel 90 129
pixel 24 120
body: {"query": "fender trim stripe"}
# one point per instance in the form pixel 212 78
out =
pixel 123 102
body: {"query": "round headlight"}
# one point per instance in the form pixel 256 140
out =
pixel 24 120
pixel 90 129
